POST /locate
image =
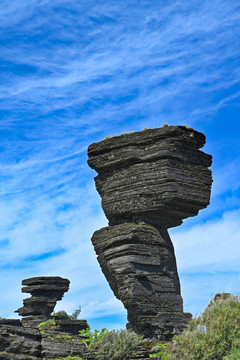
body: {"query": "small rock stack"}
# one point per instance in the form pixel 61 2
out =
pixel 149 181
pixel 45 291
pixel 20 340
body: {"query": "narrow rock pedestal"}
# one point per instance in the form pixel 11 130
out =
pixel 149 181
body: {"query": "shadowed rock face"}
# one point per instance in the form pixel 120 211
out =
pixel 45 291
pixel 149 181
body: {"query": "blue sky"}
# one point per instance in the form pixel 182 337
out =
pixel 73 72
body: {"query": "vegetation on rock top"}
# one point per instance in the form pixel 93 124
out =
pixel 213 335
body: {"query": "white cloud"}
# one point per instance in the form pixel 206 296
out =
pixel 222 175
pixel 163 53
pixel 211 246
pixel 208 259
pixel 199 288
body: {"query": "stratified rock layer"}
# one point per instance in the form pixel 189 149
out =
pixel 149 181
pixel 139 264
pixel 45 291
pixel 159 175
pixel 20 340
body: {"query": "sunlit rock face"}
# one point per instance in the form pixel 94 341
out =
pixel 149 181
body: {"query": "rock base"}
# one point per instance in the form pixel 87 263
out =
pixel 18 342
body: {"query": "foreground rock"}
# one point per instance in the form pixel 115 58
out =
pixel 149 181
pixel 20 342
pixel 23 340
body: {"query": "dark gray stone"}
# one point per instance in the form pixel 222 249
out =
pixel 159 175
pixel 139 264
pixel 149 181
pixel 10 356
pixel 45 291
pixel 20 340
pixel 14 322
pixel 57 345
pixel 71 326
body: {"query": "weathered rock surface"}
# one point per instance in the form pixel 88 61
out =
pixel 139 263
pixel 20 340
pixel 149 181
pixel 21 343
pixel 71 326
pixel 158 175
pixel 45 291
pixel 57 345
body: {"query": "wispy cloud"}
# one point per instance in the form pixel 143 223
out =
pixel 185 45
pixel 208 261
pixel 213 246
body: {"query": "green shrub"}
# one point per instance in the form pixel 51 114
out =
pixel 68 358
pixel 76 313
pixel 116 345
pixel 214 335
pixel 234 355
pixel 109 136
pixel 62 314
pixel 47 325
pixel 92 337
pixel 158 352
pixel 63 337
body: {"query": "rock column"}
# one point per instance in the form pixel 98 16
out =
pixel 149 181
pixel 45 291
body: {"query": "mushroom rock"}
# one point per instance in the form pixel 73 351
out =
pixel 45 291
pixel 149 181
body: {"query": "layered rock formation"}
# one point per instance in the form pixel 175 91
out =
pixel 45 291
pixel 23 340
pixel 18 342
pixel 149 181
